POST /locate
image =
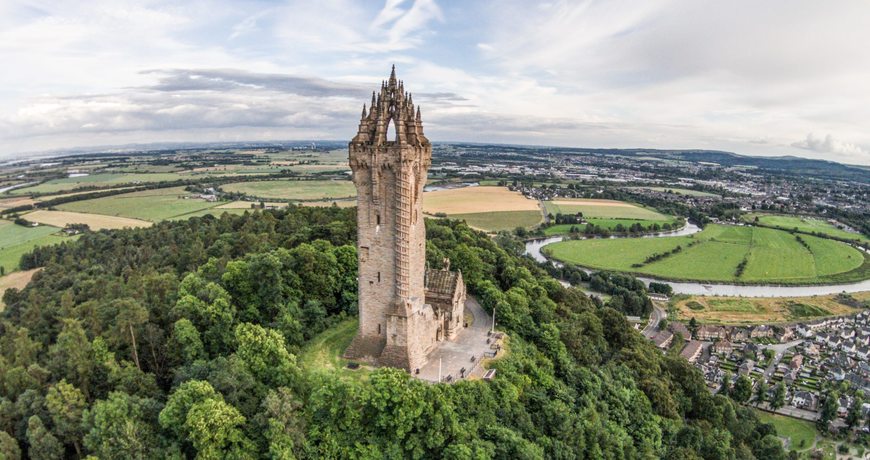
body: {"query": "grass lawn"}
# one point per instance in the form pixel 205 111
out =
pixel 16 240
pixel 324 352
pixel 801 432
pixel 500 220
pixel 302 190
pixel 151 205
pixel 803 223
pixel 760 310
pixel 99 180
pixel 771 255
pixel 603 208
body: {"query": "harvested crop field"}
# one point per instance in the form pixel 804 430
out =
pixel 758 310
pixel 467 200
pixel 17 280
pixel 15 202
pixel 94 221
pixel 302 190
pixel 500 220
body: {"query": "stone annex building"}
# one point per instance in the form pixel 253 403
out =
pixel 405 308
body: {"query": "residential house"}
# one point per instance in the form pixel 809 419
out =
pixel 723 346
pixel 692 351
pixel 663 339
pixel 710 333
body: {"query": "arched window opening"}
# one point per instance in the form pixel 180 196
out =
pixel 392 135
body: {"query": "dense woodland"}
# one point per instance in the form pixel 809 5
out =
pixel 179 341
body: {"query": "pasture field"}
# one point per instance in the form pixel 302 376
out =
pixel 603 209
pixel 715 253
pixel 94 221
pixel 804 224
pixel 215 211
pixel 152 205
pixel 676 190
pixel 468 200
pixel 609 224
pixel 327 203
pixel 301 190
pixel 486 208
pixel 17 280
pixel 16 240
pixel 802 433
pixel 99 180
pixel 761 310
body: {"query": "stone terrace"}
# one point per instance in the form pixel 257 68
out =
pixel 456 354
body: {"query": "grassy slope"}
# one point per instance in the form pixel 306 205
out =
pixel 773 256
pixel 294 189
pixel 324 351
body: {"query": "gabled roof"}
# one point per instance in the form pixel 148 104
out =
pixel 441 282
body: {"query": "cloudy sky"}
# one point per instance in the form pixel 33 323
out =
pixel 777 77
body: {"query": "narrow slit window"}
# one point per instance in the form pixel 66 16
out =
pixel 379 277
pixel 378 219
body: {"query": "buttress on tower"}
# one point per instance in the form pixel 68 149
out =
pixel 405 309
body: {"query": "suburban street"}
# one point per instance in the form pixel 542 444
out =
pixel 655 318
pixel 779 349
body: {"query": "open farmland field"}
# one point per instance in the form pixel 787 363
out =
pixel 15 202
pixel 248 204
pixel 467 200
pixel 98 180
pixel 17 280
pixel 301 190
pixel 151 205
pixel 762 310
pixel 16 240
pixel 485 208
pixel 609 224
pixel 772 256
pixel 603 209
pixel 94 221
pixel 804 224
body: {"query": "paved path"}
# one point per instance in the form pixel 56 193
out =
pixel 454 355
pixel 779 349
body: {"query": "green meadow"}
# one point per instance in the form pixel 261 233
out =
pixel 804 224
pixel 153 205
pixel 714 255
pixel 16 240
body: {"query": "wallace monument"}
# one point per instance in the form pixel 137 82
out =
pixel 405 308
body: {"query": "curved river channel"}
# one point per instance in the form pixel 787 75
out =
pixel 533 248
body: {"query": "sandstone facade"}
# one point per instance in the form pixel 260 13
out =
pixel 402 316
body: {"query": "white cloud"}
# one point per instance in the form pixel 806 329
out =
pixel 615 73
pixel 830 145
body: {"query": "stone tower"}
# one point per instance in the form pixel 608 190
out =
pixel 390 158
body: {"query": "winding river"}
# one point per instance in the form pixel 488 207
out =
pixel 533 248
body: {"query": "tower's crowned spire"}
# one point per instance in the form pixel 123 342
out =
pixel 391 105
